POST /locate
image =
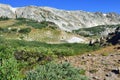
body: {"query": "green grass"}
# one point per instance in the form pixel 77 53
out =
pixel 70 49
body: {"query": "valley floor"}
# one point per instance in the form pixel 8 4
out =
pixel 103 64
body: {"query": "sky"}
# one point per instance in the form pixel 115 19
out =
pixel 104 6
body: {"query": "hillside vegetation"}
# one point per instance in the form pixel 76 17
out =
pixel 25 55
pixel 96 30
pixel 42 43
pixel 30 30
pixel 18 57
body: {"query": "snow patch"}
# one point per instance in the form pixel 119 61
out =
pixel 76 40
pixel 13 9
pixel 104 14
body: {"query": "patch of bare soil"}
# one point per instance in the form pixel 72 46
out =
pixel 103 64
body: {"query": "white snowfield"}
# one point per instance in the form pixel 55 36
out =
pixel 76 40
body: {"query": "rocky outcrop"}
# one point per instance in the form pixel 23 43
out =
pixel 6 11
pixel 66 20
pixel 114 37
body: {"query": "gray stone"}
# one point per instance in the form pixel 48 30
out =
pixel 109 75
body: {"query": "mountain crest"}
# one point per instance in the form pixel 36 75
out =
pixel 66 20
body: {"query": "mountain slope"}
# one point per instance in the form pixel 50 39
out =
pixel 66 20
pixel 30 30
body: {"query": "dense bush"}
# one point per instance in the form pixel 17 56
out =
pixel 4 30
pixel 53 71
pixel 32 56
pixel 25 30
pixel 2 18
pixel 9 67
pixel 21 18
pixel 14 30
pixel 37 25
pixel 9 70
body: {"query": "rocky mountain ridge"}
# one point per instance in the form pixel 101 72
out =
pixel 66 20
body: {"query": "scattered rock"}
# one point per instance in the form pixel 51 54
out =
pixel 99 67
pixel 108 75
pixel 89 55
pixel 96 78
pixel 83 57
pixel 115 71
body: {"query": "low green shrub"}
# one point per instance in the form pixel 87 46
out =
pixel 53 71
pixel 23 19
pixel 2 18
pixel 13 30
pixel 32 57
pixel 4 30
pixel 9 69
pixel 25 30
pixel 63 52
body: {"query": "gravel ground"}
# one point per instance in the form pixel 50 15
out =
pixel 103 64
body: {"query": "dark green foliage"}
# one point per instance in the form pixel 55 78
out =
pixel 31 56
pixel 3 18
pixel 9 69
pixel 52 71
pixel 25 30
pixel 33 23
pixel 93 71
pixel 4 30
pixel 21 19
pixel 14 30
pixel 62 52
pixel 94 31
pixel 39 25
pixel 53 27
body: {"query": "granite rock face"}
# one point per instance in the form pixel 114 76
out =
pixel 6 11
pixel 66 20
